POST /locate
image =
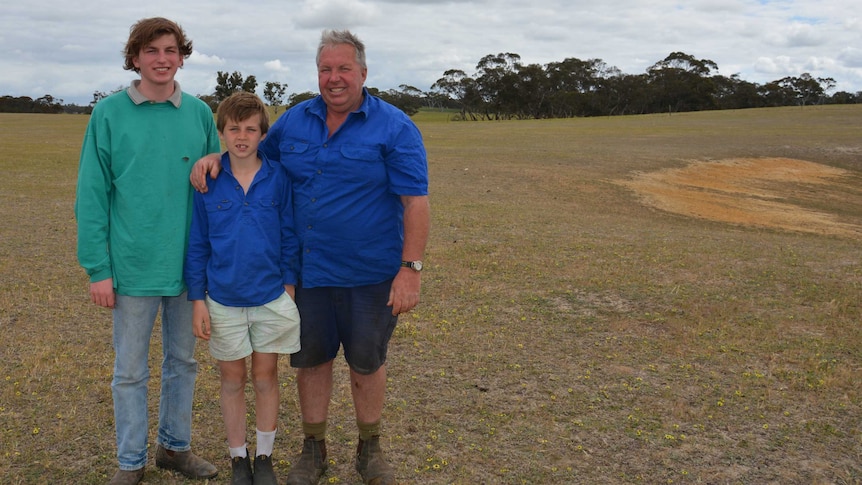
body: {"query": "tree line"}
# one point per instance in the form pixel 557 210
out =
pixel 502 87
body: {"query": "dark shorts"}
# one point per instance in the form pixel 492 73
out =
pixel 355 318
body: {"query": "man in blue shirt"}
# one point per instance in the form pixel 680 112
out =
pixel 360 179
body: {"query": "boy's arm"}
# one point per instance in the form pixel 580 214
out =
pixel 92 209
pixel 198 252
pixel 102 293
pixel 209 164
pixel 289 263
pixel 201 320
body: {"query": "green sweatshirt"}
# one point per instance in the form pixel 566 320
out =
pixel 133 201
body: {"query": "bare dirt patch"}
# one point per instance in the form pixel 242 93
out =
pixel 763 192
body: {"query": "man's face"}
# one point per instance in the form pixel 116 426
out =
pixel 340 78
pixel 159 60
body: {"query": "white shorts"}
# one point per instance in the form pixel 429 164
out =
pixel 267 329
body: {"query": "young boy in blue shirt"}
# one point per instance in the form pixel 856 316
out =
pixel 241 271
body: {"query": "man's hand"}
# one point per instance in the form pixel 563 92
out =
pixel 209 164
pixel 102 293
pixel 404 295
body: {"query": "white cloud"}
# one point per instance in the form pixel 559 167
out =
pixel 198 59
pixel 773 66
pixel 276 66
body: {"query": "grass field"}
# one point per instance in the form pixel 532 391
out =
pixel 570 330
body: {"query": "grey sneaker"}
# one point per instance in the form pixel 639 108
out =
pixel 371 464
pixel 185 462
pixel 264 474
pixel 310 465
pixel 240 470
pixel 127 477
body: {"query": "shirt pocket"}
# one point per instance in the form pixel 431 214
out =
pixel 364 164
pixel 220 215
pixel 266 216
pixel 268 206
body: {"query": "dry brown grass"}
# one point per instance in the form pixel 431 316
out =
pixel 569 332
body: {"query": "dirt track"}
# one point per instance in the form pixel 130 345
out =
pixel 761 192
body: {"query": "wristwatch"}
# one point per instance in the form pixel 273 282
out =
pixel 414 265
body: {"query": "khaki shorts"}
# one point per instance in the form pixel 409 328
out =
pixel 272 328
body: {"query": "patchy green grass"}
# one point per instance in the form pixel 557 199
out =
pixel 567 334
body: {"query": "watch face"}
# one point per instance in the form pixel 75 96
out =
pixel 417 265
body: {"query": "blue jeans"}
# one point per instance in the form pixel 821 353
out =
pixel 134 319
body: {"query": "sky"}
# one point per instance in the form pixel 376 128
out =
pixel 72 49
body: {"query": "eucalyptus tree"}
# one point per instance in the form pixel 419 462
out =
pixel 227 84
pixel 496 78
pixel 273 93
pixel 583 87
pixel 735 93
pixel 680 82
pixel 807 89
pixel 458 86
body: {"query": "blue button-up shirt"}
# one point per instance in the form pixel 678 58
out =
pixel 347 187
pixel 242 245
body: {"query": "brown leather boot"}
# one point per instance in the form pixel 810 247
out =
pixel 127 477
pixel 371 463
pixel 185 462
pixel 310 465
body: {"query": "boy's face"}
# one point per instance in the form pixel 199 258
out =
pixel 159 60
pixel 242 137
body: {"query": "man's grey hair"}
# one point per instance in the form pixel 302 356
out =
pixel 331 38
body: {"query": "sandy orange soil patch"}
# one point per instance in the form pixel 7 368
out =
pixel 761 192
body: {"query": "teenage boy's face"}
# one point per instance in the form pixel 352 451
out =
pixel 159 60
pixel 242 137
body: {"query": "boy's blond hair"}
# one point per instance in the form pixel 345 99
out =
pixel 241 106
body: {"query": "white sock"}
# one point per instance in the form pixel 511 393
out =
pixel 265 442
pixel 238 452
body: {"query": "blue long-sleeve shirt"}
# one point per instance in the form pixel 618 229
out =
pixel 243 247
pixel 347 187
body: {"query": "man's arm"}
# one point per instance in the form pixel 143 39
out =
pixel 404 295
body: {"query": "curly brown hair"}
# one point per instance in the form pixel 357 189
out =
pixel 145 31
